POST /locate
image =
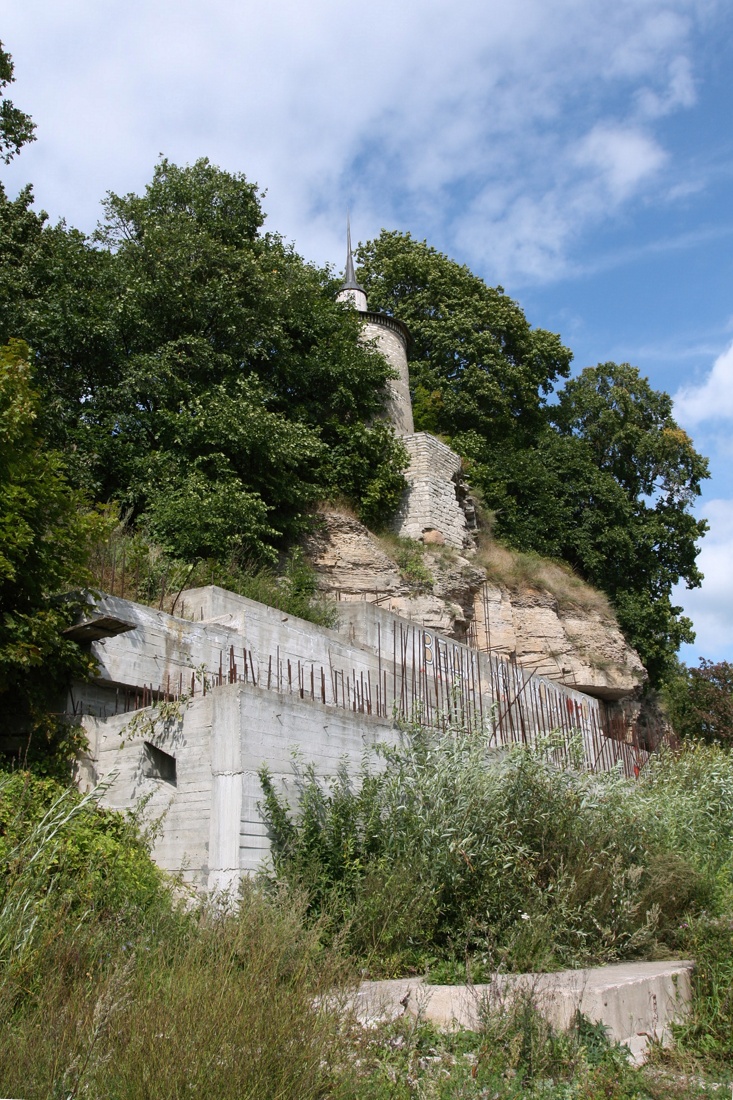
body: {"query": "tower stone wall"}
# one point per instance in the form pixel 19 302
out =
pixel 436 507
pixel 391 338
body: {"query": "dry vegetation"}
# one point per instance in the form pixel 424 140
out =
pixel 518 570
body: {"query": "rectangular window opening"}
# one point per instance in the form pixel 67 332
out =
pixel 158 764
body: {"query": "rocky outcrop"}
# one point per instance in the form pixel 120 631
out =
pixel 581 647
pixel 575 643
pixel 352 564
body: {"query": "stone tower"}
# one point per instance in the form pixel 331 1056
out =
pixel 391 337
pixel 436 507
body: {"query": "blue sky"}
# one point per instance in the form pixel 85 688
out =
pixel 578 152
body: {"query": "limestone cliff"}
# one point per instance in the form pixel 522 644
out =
pixel 544 617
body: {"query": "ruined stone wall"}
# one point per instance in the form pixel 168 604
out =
pixel 430 510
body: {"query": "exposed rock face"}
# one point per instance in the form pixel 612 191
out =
pixel 580 647
pixel 353 565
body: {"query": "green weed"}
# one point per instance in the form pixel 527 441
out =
pixel 441 855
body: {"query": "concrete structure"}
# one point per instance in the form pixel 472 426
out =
pixel 637 1002
pixel 184 711
pixel 211 748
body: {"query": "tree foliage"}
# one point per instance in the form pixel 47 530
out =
pixel 16 127
pixel 701 702
pixel 601 477
pixel 476 365
pixel 45 531
pixel 195 369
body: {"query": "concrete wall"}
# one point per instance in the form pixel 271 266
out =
pixel 431 504
pixel 223 726
pixel 376 663
pixel 210 828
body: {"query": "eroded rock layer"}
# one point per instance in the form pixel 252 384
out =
pixel 446 590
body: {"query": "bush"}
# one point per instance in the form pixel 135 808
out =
pixel 449 856
pixel 112 987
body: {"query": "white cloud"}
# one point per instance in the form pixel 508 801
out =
pixel 620 159
pixel 710 400
pixel 509 130
pixel 680 91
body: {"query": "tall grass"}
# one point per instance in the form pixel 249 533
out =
pixel 112 986
pixel 525 569
pixel 451 857
pixel 130 565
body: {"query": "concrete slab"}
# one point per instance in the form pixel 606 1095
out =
pixel 637 1002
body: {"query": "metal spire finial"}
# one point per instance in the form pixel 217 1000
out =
pixel 350 282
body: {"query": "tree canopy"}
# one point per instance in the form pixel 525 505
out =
pixel 701 702
pixel 195 368
pixel 16 127
pixel 476 364
pixel 45 532
pixel 598 474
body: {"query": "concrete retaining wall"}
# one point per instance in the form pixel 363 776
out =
pixel 210 827
pixel 245 685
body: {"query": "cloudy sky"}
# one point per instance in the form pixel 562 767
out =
pixel 578 152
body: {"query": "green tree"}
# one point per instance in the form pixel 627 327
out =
pixel 476 364
pixel 16 127
pixel 701 701
pixel 628 429
pixel 603 478
pixel 196 369
pixel 45 531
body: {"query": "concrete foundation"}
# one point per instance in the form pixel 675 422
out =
pixel 637 1002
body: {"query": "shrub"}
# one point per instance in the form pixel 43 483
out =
pixel 112 987
pixel 448 853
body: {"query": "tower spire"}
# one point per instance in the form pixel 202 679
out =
pixel 350 289
pixel 350 282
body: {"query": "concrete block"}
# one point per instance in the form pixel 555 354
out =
pixel 636 1002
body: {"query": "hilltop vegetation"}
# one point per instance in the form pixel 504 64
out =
pixel 194 378
pixel 598 475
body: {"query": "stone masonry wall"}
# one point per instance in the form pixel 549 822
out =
pixel 392 343
pixel 430 510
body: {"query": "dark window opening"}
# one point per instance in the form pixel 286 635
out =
pixel 158 764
